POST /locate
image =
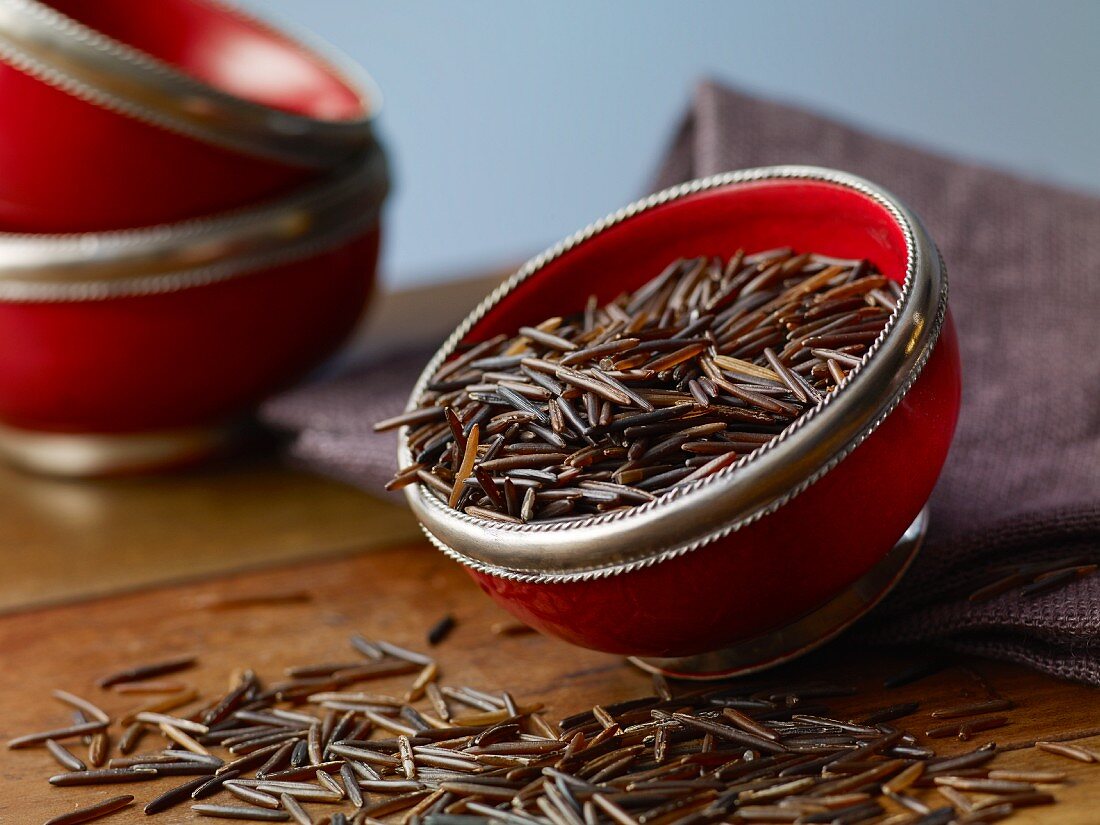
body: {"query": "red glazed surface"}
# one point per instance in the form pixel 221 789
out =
pixel 72 166
pixel 188 358
pixel 789 563
pixel 223 49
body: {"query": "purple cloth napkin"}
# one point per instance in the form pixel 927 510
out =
pixel 1022 483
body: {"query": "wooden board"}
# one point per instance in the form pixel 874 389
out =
pixel 397 594
pixel 67 539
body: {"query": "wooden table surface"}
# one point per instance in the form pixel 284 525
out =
pixel 396 594
pixel 63 539
pixel 100 575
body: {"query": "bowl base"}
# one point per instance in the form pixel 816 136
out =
pixel 805 634
pixel 90 455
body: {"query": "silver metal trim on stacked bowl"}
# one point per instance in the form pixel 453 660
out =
pixel 100 265
pixel 75 58
pixel 694 515
pixel 104 265
pixel 342 205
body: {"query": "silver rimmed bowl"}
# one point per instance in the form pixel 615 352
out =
pixel 795 541
pixel 137 350
pixel 182 107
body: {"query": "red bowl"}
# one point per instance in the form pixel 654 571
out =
pixel 769 558
pixel 122 113
pixel 140 349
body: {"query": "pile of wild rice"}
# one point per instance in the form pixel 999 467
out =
pixel 605 409
pixel 446 755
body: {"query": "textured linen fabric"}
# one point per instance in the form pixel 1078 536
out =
pixel 331 421
pixel 1022 482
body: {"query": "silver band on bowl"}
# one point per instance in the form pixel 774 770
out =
pixel 170 257
pixel 58 50
pixel 689 517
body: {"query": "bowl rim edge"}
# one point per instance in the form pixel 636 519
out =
pixel 99 69
pixel 495 548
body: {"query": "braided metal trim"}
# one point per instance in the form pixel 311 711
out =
pixel 432 501
pixel 27 292
pixel 224 119
pixel 327 216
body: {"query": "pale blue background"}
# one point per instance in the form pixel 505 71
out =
pixel 512 123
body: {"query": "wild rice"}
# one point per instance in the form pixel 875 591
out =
pixel 734 752
pixel 710 358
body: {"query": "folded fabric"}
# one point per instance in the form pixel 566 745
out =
pixel 1022 483
pixel 332 420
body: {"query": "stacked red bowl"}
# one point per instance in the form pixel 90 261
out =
pixel 189 220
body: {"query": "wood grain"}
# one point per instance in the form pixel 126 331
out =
pixel 68 539
pixel 397 594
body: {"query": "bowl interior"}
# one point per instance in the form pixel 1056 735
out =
pixel 810 209
pixel 811 216
pixel 224 49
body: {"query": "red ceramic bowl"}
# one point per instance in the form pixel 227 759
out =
pixel 123 113
pixel 765 560
pixel 133 350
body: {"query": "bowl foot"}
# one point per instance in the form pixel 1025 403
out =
pixel 805 634
pixel 88 455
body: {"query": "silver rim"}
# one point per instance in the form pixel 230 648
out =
pixel 96 266
pixel 93 67
pixel 695 515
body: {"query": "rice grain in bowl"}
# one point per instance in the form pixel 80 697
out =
pixel 782 549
